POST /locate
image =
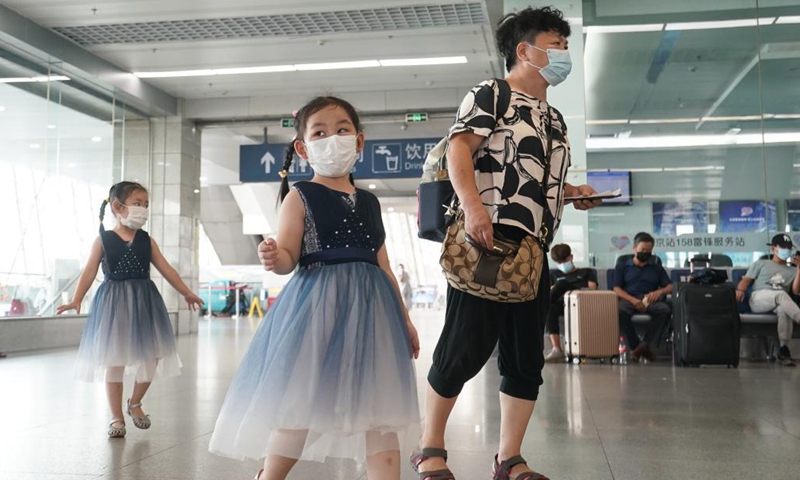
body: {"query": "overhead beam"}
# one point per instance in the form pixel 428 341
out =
pixel 737 79
pixel 39 41
pixel 769 51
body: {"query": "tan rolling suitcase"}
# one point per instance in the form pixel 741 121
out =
pixel 591 324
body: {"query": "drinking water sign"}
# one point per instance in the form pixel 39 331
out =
pixel 381 159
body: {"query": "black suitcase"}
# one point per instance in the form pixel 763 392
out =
pixel 706 325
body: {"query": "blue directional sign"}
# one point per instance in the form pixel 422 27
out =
pixel 381 159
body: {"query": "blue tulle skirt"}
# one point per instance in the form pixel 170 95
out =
pixel 329 373
pixel 128 326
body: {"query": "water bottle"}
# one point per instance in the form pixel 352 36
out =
pixel 623 351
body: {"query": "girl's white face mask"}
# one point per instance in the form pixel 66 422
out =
pixel 137 217
pixel 333 156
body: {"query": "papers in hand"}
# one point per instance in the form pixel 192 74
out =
pixel 597 196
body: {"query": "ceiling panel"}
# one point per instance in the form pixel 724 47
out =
pixel 410 17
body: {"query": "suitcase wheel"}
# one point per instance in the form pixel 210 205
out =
pixel 577 361
pixel 614 360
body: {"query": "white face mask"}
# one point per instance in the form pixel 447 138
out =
pixel 559 65
pixel 137 217
pixel 333 156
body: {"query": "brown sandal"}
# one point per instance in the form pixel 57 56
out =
pixel 419 457
pixel 502 471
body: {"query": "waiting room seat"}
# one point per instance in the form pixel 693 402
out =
pixel 717 260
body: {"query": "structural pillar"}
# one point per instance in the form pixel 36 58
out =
pixel 164 155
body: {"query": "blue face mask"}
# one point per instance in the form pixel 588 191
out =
pixel 558 68
pixel 784 253
pixel 566 267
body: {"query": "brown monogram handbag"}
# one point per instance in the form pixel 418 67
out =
pixel 511 271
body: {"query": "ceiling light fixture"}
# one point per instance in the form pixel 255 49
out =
pixel 688 141
pixel 51 127
pixel 2 108
pixel 306 67
pixel 651 27
pixel 44 79
pixel 623 121
pixel 35 146
pixel 410 62
pixel 176 74
pixel 372 186
pixel 97 139
pixel 730 118
pixel 664 120
pixel 246 70
pixel 741 118
pixel 747 22
pixel 689 169
pixel 787 20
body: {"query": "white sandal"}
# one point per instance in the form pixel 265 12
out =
pixel 140 422
pixel 117 432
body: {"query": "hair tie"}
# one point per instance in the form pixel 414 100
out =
pixel 294 113
pixel 283 173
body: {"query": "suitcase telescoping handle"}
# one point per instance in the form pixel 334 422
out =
pixel 699 260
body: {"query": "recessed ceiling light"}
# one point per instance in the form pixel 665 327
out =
pixel 2 109
pixel 664 120
pixel 652 27
pixel 72 165
pixel 621 121
pixel 97 139
pixel 785 20
pixel 268 69
pixel 35 146
pixel 391 209
pixel 372 186
pixel 747 22
pixel 203 179
pixel 196 190
pixel 407 62
pixel 305 67
pixel 51 127
pixel 54 78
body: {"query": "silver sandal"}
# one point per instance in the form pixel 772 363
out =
pixel 116 432
pixel 140 422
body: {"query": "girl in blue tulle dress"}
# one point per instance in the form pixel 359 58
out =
pixel 128 328
pixel 329 372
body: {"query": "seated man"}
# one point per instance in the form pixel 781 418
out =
pixel 772 281
pixel 641 286
pixel 567 278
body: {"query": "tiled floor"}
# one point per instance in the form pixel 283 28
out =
pixel 593 422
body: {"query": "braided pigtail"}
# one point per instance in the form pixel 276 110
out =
pixel 287 163
pixel 103 214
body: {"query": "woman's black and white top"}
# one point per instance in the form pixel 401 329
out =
pixel 509 165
